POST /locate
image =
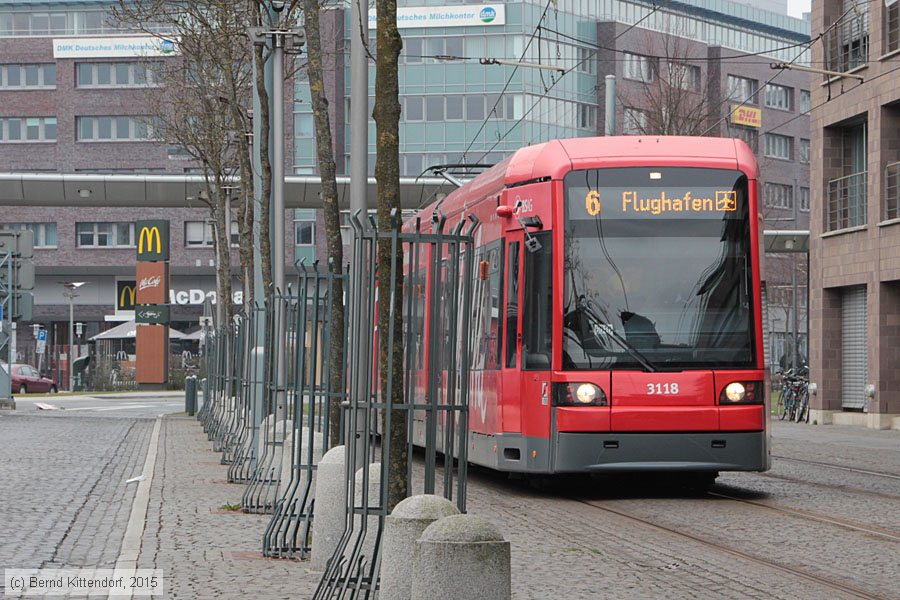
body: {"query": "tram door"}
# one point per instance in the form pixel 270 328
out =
pixel 511 374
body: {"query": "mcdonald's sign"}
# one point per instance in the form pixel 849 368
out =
pixel 125 294
pixel 152 240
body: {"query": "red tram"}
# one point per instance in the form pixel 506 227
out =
pixel 616 318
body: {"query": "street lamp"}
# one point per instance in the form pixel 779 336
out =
pixel 71 286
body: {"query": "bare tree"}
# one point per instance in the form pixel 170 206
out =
pixel 666 92
pixel 201 106
pixel 387 173
pixel 327 169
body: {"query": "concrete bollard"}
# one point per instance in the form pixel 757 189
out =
pixel 402 528
pixel 331 507
pixel 374 494
pixel 462 557
pixel 287 459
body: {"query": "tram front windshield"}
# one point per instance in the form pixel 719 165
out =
pixel 657 269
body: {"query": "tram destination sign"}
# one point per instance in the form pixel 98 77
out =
pixel 660 203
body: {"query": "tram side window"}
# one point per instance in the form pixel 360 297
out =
pixel 537 319
pixel 495 326
pixel 512 304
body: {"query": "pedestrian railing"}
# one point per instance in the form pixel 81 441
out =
pixel 424 403
pixel 272 390
pixel 310 400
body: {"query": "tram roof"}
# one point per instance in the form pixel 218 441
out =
pixel 555 158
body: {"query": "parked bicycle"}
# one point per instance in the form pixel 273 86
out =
pixel 793 404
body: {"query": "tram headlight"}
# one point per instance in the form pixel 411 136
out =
pixel 735 391
pixel 742 392
pixel 579 394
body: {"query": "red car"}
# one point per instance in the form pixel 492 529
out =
pixel 26 378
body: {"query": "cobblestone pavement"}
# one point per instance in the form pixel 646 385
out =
pixel 205 551
pixel 62 483
pixel 803 530
pixel 662 542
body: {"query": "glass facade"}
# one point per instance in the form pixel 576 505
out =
pixel 452 109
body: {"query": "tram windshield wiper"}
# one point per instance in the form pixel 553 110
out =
pixel 584 305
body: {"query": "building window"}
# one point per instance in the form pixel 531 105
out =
pixel 413 108
pixel 304 124
pixel 587 63
pixel 304 233
pixel 27 129
pixel 117 74
pixel 847 43
pixel 778 96
pixel 27 77
pixel 635 121
pixel 587 116
pixel 114 129
pixel 683 76
pixel 892 27
pixel 804 199
pixel 805 101
pixel 412 51
pixel 44 233
pixel 848 194
pixel 892 191
pixel 639 68
pixel 104 235
pixel 199 234
pixel 804 150
pixel 742 89
pixel 778 146
pixel 749 135
pixel 779 195
pixel 454 108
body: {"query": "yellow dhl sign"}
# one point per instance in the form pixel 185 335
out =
pixel 746 115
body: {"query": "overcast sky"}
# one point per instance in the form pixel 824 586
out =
pixel 796 8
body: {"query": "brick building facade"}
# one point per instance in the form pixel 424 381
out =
pixel 855 229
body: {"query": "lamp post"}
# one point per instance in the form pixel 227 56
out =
pixel 282 39
pixel 71 286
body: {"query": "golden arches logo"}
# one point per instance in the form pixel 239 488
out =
pixel 127 291
pixel 149 234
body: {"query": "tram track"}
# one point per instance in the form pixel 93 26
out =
pixel 830 486
pixel 811 577
pixel 839 467
pixel 812 516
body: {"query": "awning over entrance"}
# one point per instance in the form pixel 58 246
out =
pixel 127 331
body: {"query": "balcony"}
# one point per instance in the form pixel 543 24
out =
pixel 847 46
pixel 847 201
pixel 892 191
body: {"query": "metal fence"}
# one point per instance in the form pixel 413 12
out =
pixel 270 392
pixel 432 286
pixel 309 401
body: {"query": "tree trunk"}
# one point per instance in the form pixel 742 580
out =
pixel 222 244
pixel 265 246
pixel 387 172
pixel 325 155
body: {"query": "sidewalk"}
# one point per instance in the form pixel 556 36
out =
pixel 561 545
pixel 205 551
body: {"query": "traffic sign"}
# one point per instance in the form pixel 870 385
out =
pixel 41 346
pixel 42 335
